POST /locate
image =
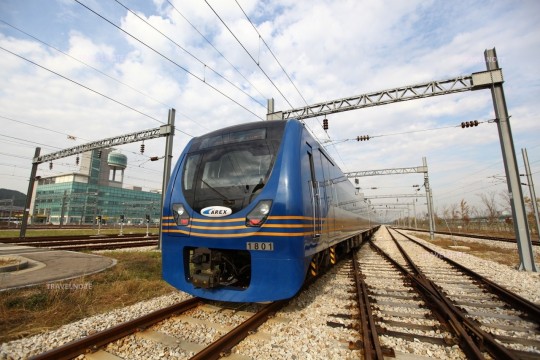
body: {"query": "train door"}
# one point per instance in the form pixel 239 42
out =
pixel 328 202
pixel 315 189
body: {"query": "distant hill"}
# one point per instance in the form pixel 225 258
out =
pixel 19 197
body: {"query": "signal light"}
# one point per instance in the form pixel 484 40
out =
pixel 362 138
pixel 469 124
pixel 142 148
pixel 325 124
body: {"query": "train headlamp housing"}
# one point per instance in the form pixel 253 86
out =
pixel 181 216
pixel 259 214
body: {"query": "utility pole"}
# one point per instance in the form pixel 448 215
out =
pixel 532 193
pixel 29 193
pixel 519 214
pixel 429 198
pixel 167 166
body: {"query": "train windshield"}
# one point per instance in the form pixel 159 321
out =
pixel 229 169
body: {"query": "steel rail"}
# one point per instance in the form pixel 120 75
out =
pixel 224 344
pixel 481 338
pixel 466 343
pixel 107 246
pixel 371 343
pixel 520 303
pixel 78 347
pixel 88 242
pixel 81 243
pixel 38 239
pixel 475 236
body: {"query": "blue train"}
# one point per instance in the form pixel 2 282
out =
pixel 252 210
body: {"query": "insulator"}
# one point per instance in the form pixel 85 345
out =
pixel 77 160
pixel 99 154
pixel 325 124
pixel 50 165
pixel 142 148
pixel 462 125
pixel 362 138
pixel 476 122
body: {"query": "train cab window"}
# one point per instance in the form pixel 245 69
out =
pixel 229 175
pixel 242 167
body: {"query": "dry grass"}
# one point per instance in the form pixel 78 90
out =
pixel 136 277
pixel 483 250
pixel 4 261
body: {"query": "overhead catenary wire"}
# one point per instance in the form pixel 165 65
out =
pixel 286 74
pixel 206 66
pixel 271 52
pixel 249 54
pixel 168 59
pixel 84 63
pixel 84 86
pixel 101 72
pixel 216 49
pixel 29 141
pixel 405 132
pixel 62 133
pixel 39 127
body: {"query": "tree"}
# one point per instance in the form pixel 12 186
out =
pixel 491 211
pixel 531 219
pixel 506 201
pixel 464 210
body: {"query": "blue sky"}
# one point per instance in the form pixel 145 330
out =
pixel 330 50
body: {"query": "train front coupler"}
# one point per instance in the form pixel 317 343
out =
pixel 205 268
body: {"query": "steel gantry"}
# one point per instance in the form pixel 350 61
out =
pixel 164 130
pixel 491 79
pixel 155 133
pixel 408 170
pixel 475 81
pixel 397 196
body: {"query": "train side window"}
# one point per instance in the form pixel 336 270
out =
pixel 189 171
pixel 312 169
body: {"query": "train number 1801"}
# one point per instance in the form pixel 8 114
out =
pixel 260 246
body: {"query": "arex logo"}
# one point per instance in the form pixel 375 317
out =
pixel 216 211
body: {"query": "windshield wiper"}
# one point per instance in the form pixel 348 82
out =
pixel 217 192
pixel 260 185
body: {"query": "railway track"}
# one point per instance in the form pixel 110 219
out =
pixel 209 330
pixel 397 313
pixel 379 304
pixel 85 242
pixel 149 336
pixel 474 236
pixel 485 319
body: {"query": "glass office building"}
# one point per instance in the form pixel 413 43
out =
pixel 96 190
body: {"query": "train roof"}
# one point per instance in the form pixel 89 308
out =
pixel 273 130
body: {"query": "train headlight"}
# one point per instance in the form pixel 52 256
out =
pixel 181 216
pixel 258 215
